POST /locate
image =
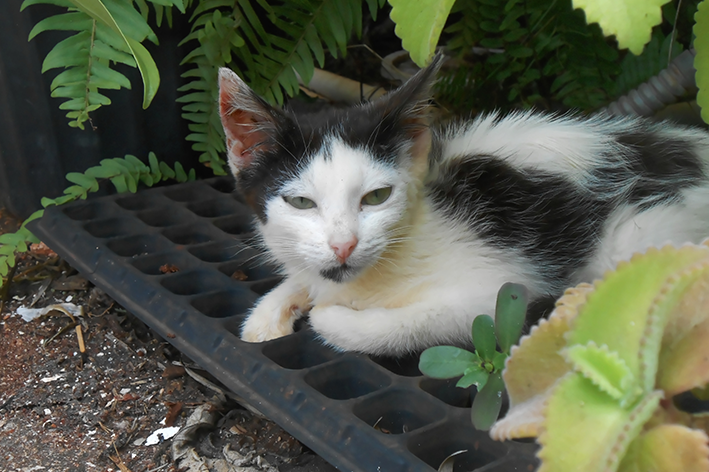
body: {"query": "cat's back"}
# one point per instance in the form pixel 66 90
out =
pixel 570 195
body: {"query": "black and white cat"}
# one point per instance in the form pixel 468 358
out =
pixel 395 233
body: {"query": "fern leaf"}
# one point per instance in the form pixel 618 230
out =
pixel 274 47
pixel 107 31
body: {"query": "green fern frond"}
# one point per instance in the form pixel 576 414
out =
pixel 635 70
pixel 108 31
pixel 525 53
pixel 268 45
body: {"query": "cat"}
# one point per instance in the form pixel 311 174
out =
pixel 394 232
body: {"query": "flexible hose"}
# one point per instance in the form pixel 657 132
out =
pixel 677 80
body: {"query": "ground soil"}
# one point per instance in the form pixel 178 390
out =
pixel 89 401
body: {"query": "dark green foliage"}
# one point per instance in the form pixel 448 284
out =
pixel 106 33
pixel 268 44
pixel 528 52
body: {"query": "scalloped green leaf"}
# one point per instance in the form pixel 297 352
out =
pixel 586 430
pixel 604 368
pixel 668 448
pixel 631 21
pixel 419 24
pixel 701 60
pixel 625 299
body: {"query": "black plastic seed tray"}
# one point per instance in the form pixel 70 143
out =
pixel 173 257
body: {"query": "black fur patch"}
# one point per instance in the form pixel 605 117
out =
pixel 543 216
pixel 339 274
pixel 660 168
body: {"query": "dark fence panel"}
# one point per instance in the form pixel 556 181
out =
pixel 37 146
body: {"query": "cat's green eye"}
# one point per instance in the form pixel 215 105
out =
pixel 377 197
pixel 301 203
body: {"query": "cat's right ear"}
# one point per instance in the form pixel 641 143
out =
pixel 248 121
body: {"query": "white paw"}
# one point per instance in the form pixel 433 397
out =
pixel 339 326
pixel 271 318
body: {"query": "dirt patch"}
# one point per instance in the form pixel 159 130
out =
pixel 62 409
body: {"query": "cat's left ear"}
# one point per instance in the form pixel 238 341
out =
pixel 249 122
pixel 408 108
pixel 411 101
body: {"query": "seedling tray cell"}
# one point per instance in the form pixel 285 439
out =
pixel 182 259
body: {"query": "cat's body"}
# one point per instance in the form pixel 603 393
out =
pixel 398 234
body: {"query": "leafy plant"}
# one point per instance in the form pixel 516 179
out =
pixel 124 173
pixel 107 33
pixel 635 70
pixel 483 368
pixel 534 52
pixel 590 381
pixel 271 48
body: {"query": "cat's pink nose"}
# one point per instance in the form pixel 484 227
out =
pixel 344 250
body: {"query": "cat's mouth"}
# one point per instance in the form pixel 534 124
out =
pixel 340 273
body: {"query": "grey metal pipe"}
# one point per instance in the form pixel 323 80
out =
pixel 677 80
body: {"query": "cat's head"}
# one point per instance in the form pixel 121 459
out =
pixel 331 192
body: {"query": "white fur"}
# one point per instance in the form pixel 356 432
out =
pixel 422 280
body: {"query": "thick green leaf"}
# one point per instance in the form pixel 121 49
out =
pixel 474 375
pixel 701 60
pixel 446 362
pixel 419 24
pixel 484 337
pixel 487 403
pixel 510 312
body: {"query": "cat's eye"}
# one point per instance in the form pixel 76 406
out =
pixel 301 203
pixel 377 197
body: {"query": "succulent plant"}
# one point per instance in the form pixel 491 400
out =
pixel 595 381
pixel 483 368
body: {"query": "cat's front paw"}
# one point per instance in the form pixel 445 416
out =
pixel 274 315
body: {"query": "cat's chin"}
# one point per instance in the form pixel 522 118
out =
pixel 340 274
